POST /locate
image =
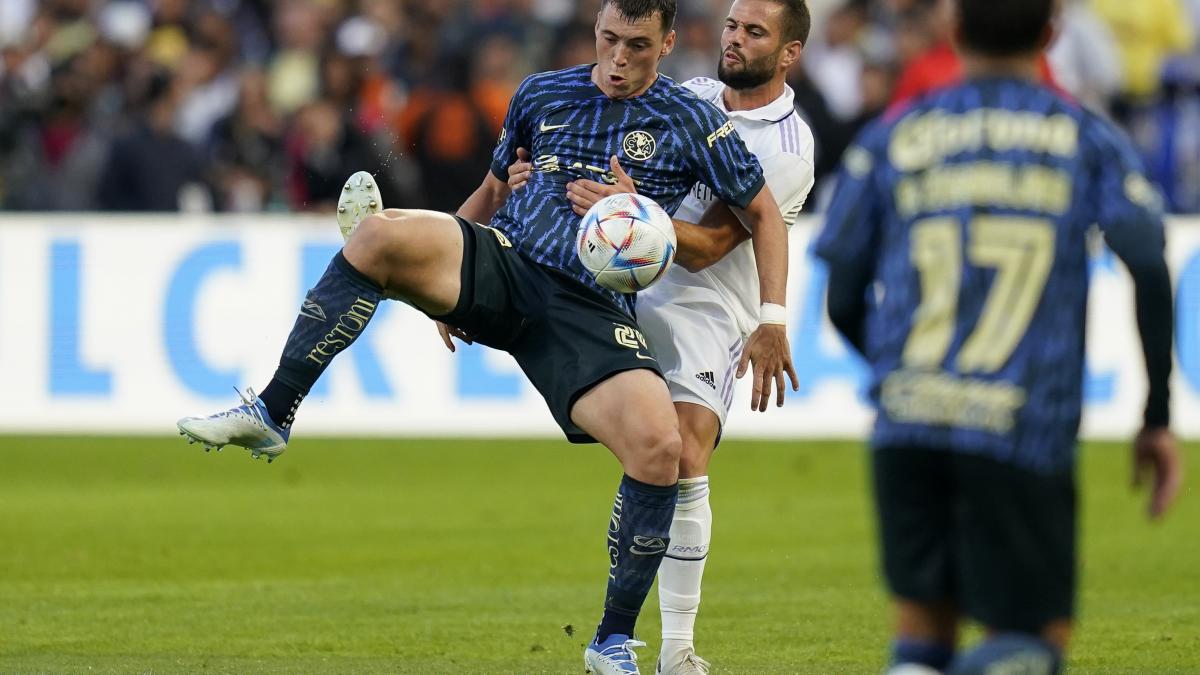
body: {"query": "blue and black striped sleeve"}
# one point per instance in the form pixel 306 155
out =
pixel 516 132
pixel 1129 212
pixel 849 239
pixel 718 156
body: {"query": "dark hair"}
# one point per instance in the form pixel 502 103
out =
pixel 796 20
pixel 635 10
pixel 1003 27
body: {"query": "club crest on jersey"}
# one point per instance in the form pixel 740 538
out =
pixel 639 145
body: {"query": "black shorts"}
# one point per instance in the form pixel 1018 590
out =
pixel 566 337
pixel 996 540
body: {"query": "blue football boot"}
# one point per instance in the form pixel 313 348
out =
pixel 614 656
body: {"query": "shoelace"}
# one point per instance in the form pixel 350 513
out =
pixel 698 664
pixel 248 409
pixel 623 653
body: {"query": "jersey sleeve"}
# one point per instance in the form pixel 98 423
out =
pixel 852 222
pixel 719 158
pixel 516 132
pixel 1128 207
pixel 790 178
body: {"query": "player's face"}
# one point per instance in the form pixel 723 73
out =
pixel 628 52
pixel 752 48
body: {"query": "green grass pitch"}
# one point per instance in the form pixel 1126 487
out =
pixel 141 555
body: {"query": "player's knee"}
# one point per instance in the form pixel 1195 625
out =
pixel 370 238
pixel 659 457
pixel 693 460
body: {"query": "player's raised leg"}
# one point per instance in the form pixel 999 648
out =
pixel 682 570
pixel 411 255
pixel 631 414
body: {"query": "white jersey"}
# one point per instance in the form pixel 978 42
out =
pixel 783 144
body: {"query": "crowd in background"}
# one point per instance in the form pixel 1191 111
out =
pixel 253 105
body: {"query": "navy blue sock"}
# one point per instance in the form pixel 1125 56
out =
pixel 933 654
pixel 638 534
pixel 1024 653
pixel 333 315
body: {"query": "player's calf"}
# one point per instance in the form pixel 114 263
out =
pixel 415 256
pixel 639 532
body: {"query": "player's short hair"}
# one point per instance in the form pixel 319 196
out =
pixel 797 22
pixel 1003 28
pixel 636 10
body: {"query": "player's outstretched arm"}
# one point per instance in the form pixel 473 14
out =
pixel 703 244
pixel 485 201
pixel 767 350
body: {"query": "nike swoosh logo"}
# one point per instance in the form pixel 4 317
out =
pixel 643 356
pixel 551 127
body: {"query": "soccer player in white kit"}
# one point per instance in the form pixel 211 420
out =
pixel 698 321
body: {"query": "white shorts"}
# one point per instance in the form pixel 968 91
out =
pixel 697 345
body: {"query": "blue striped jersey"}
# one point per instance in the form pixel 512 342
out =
pixel 666 139
pixel 972 208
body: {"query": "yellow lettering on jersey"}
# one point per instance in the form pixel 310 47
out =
pixel 945 399
pixel 990 184
pixel 925 140
pixel 724 131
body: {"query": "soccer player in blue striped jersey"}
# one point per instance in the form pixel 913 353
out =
pixel 958 262
pixel 516 285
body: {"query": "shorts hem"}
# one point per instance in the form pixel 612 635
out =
pixel 580 436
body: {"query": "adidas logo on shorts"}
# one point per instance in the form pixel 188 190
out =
pixel 707 378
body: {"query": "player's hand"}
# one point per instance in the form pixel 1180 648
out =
pixel 520 170
pixel 447 331
pixel 1156 459
pixel 584 193
pixel 771 356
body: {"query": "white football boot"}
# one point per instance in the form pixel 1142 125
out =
pixel 359 199
pixel 247 425
pixel 690 665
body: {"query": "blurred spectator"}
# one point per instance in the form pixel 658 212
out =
pixel 55 164
pixel 450 127
pixel 293 75
pixel 834 63
pixel 1084 55
pixel 323 148
pixel 150 166
pixel 247 150
pixel 207 81
pixel 697 47
pixel 1147 32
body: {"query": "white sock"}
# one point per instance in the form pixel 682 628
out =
pixel 683 568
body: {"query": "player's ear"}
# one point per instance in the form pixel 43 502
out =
pixel 791 53
pixel 668 43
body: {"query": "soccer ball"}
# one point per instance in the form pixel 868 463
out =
pixel 626 242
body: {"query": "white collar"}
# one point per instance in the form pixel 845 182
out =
pixel 773 112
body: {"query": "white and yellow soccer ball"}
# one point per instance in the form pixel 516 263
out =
pixel 626 242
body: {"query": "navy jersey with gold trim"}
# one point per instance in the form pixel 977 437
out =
pixel 667 140
pixel 971 210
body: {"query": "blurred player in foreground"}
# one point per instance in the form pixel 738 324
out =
pixel 517 285
pixel 958 266
pixel 698 317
